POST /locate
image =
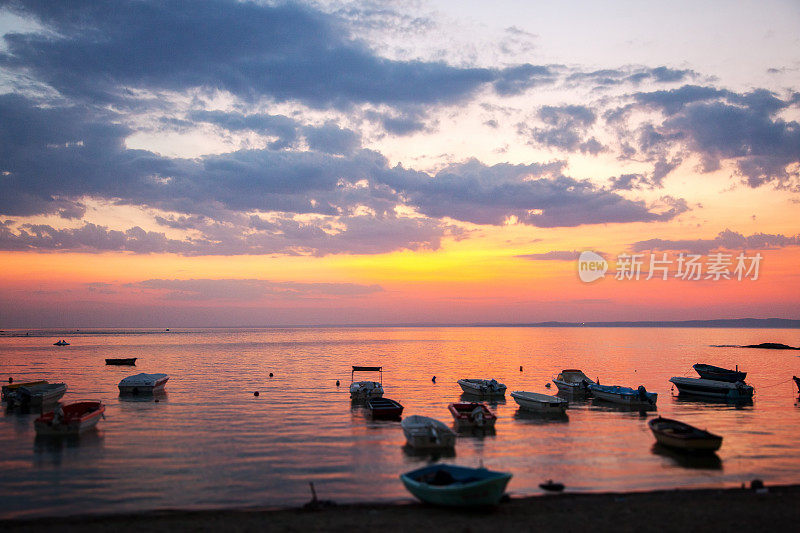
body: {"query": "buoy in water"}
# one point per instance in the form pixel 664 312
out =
pixel 433 379
pixel 11 380
pixel 520 368
pixel 547 385
pixel 255 393
pixel 270 374
pixel 337 382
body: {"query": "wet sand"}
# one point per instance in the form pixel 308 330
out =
pixel 777 508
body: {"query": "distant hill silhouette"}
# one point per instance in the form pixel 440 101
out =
pixel 783 323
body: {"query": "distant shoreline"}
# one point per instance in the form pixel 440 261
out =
pixel 732 323
pixel 668 510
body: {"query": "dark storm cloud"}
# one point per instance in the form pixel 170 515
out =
pixel 284 128
pixel 726 240
pixel 331 139
pixel 97 50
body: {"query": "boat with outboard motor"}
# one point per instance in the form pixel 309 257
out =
pixel 540 403
pixel 573 381
pixel 482 387
pixel 426 433
pixel 70 419
pixel 710 388
pixel 472 414
pixel 638 397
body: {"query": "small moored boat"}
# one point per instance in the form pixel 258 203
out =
pixel 482 387
pixel 143 383
pixel 709 388
pixel 363 390
pixel 425 433
pixel 384 408
pixel 10 391
pixel 472 414
pixel 70 419
pixel 717 373
pixel 61 342
pixel 679 435
pixel 38 395
pixel 130 361
pixel 543 403
pixel 638 397
pixel 572 381
pixel 458 486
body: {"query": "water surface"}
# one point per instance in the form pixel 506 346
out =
pixel 210 443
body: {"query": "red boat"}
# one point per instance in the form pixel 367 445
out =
pixel 384 408
pixel 70 419
pixel 472 414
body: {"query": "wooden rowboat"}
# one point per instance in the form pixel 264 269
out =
pixel 384 408
pixel 120 362
pixel 679 435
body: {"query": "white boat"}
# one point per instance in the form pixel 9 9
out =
pixel 143 383
pixel 364 390
pixel 38 395
pixel 572 381
pixel 425 433
pixel 710 388
pixel 627 396
pixel 482 387
pixel 544 403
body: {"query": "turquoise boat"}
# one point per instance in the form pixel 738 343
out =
pixel 456 486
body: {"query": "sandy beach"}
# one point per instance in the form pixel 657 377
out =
pixel 679 510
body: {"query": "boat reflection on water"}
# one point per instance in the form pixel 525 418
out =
pixel 430 455
pixel 533 417
pixel 474 432
pixel 740 403
pixel 53 450
pixel 155 397
pixel 701 461
pixel 491 401
pixel 604 405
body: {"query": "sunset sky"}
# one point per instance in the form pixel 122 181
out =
pixel 215 163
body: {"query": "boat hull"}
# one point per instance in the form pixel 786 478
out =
pixel 40 394
pixel 573 382
pixel 624 396
pixel 424 433
pixel 472 486
pixel 475 415
pixel 122 362
pixel 384 408
pixel 706 388
pixel 145 385
pixel 482 387
pixel 682 436
pixel 9 391
pixel 78 417
pixel 540 403
pixel 716 373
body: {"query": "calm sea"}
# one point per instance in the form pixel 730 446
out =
pixel 210 443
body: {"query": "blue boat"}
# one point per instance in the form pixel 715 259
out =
pixel 456 486
pixel 624 395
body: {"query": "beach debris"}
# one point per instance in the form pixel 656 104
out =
pixel 758 486
pixel 315 504
pixel 551 486
pixel 255 394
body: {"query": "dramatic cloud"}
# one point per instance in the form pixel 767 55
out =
pixel 474 192
pixel 97 52
pixel 726 240
pixel 565 129
pixel 718 125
